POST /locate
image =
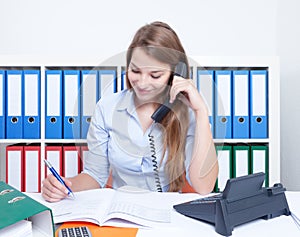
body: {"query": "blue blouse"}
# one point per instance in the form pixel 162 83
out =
pixel 117 143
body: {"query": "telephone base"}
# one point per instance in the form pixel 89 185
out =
pixel 243 200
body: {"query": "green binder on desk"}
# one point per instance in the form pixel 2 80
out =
pixel 16 206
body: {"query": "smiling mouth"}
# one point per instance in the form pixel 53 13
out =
pixel 143 91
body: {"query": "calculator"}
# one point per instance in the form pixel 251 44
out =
pixel 80 231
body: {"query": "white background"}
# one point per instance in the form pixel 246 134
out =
pixel 79 28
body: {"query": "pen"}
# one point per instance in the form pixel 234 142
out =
pixel 56 175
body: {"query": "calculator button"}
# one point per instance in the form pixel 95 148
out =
pixel 78 232
pixel 71 233
pixel 85 232
pixel 64 233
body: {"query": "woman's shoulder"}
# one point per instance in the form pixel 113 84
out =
pixel 113 99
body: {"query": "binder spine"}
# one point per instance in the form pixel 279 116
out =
pixel 31 104
pixel 240 108
pixel 259 104
pixel 15 166
pixel 2 104
pixel 53 124
pixel 32 172
pixel 14 108
pixel 89 97
pixel 206 87
pixel 223 103
pixel 54 155
pixel 71 102
pixel 107 82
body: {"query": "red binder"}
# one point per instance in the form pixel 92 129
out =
pixel 15 166
pixel 32 168
pixel 71 161
pixel 54 155
pixel 83 154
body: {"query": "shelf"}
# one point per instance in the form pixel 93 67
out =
pixel 196 62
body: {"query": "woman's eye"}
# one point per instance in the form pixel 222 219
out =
pixel 155 76
pixel 135 71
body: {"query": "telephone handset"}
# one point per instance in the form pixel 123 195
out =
pixel 162 110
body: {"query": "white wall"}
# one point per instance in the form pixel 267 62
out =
pixel 207 28
pixel 288 36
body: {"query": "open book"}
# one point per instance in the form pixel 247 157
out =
pixel 123 207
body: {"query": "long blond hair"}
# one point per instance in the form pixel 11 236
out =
pixel 160 41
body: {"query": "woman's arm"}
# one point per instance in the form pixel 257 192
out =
pixel 203 168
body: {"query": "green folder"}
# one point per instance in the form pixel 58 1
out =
pixel 241 160
pixel 224 153
pixel 260 161
pixel 16 206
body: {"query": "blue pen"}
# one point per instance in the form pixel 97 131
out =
pixel 56 175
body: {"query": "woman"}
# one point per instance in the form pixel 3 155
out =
pixel 124 140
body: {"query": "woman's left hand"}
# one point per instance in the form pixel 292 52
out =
pixel 186 91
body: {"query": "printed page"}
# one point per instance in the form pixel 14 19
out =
pixel 139 207
pixel 88 206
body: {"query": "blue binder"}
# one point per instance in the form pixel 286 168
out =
pixel 258 104
pixel 107 82
pixel 2 104
pixel 71 104
pixel 206 86
pixel 123 80
pixel 240 105
pixel 89 97
pixel 53 123
pixel 31 104
pixel 14 110
pixel 223 104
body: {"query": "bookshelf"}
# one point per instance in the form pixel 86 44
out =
pixel 118 62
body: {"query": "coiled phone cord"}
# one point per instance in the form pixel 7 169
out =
pixel 154 163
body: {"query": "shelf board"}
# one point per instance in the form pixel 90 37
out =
pixel 248 140
pixel 14 141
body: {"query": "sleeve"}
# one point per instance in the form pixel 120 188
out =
pixel 189 146
pixel 96 163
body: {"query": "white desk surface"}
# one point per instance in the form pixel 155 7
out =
pixel 185 226
pixel 182 226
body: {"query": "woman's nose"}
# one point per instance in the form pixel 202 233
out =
pixel 144 79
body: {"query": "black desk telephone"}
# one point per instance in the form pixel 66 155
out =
pixel 243 200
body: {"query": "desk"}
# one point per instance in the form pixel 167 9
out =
pixel 182 226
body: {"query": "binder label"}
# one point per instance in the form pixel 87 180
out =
pixel 53 98
pixel 71 95
pixel 14 88
pixel 90 96
pixel 224 100
pixel 1 95
pixel 259 88
pixel 241 92
pixel 31 100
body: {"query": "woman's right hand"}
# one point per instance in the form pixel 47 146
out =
pixel 53 190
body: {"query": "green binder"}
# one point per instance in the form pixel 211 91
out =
pixel 16 206
pixel 224 153
pixel 260 160
pixel 241 160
